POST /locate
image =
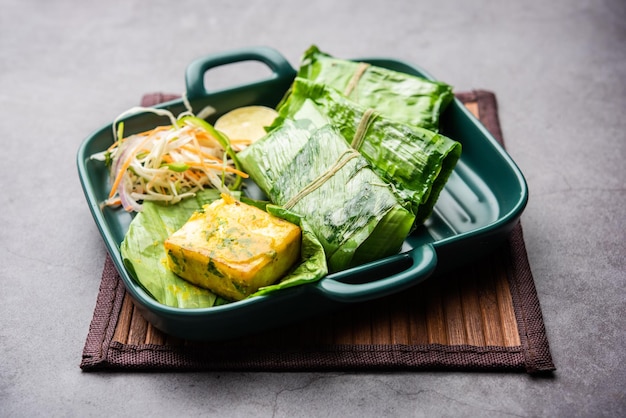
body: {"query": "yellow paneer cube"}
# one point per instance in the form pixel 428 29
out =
pixel 233 249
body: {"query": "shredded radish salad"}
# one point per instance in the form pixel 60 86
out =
pixel 168 163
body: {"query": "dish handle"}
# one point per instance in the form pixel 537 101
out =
pixel 416 265
pixel 278 64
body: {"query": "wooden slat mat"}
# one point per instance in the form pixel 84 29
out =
pixel 483 317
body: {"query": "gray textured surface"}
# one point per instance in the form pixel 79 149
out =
pixel 559 71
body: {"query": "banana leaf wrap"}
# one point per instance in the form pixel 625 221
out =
pixel 313 172
pixel 399 96
pixel 416 161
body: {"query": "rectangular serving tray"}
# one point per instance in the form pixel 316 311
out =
pixel 481 203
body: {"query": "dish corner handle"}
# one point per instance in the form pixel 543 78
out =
pixel 421 264
pixel 194 75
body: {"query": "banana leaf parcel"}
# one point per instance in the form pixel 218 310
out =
pixel 313 172
pixel 416 161
pixel 399 96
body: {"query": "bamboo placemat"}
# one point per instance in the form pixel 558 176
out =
pixel 484 316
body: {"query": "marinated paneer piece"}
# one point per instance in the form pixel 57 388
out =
pixel 233 248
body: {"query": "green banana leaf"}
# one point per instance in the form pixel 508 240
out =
pixel 313 172
pixel 399 96
pixel 145 258
pixel 417 161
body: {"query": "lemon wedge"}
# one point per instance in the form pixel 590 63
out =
pixel 246 123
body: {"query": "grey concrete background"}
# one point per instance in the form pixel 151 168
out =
pixel 558 68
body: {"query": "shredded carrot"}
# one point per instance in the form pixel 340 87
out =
pixel 193 175
pixel 204 135
pixel 116 201
pixel 155 130
pixel 217 167
pixel 123 169
pixel 202 154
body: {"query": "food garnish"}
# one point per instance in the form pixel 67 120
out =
pixel 246 124
pixel 170 162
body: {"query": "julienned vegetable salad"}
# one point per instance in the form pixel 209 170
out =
pixel 178 163
pixel 169 163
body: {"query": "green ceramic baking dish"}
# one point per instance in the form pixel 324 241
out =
pixel 480 204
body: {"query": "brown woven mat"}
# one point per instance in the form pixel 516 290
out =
pixel 483 317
